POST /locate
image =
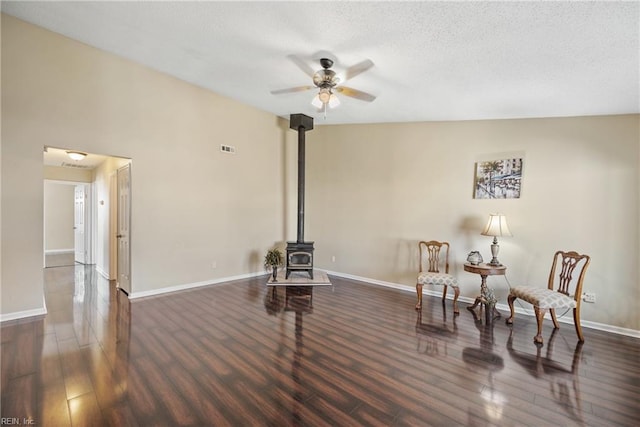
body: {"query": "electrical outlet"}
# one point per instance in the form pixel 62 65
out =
pixel 214 264
pixel 589 297
pixel 333 258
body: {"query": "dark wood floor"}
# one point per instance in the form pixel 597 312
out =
pixel 239 354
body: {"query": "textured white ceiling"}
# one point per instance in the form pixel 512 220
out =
pixel 433 60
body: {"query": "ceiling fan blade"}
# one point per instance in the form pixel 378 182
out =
pixel 354 93
pixel 360 67
pixel 292 89
pixel 302 65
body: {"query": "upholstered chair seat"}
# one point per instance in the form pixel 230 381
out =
pixel 543 298
pixel 439 279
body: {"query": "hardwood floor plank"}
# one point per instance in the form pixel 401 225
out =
pixel 189 387
pixel 85 411
pixel 20 398
pixel 626 417
pixel 50 371
pixel 138 394
pixel 53 409
pixel 227 399
pixel 237 354
pixel 121 415
pixel 177 410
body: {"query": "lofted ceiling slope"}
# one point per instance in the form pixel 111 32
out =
pixel 434 61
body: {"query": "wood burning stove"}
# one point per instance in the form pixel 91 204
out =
pixel 300 253
pixel 300 257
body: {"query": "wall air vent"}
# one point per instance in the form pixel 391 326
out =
pixel 230 149
pixel 75 166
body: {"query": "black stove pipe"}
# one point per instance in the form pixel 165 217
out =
pixel 301 123
pixel 301 175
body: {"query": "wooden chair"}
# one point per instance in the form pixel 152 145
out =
pixel 567 295
pixel 430 264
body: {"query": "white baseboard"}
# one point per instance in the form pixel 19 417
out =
pixel 59 251
pixel 154 292
pixel 27 313
pixel 504 307
pixel 23 314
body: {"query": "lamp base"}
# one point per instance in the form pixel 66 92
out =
pixel 495 248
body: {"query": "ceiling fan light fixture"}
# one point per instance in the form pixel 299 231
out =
pixel 326 81
pixel 76 155
pixel 316 102
pixel 325 98
pixel 324 95
pixel 333 101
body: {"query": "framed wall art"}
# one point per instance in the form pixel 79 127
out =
pixel 498 179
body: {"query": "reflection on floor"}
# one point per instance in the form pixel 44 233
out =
pixel 59 260
pixel 242 353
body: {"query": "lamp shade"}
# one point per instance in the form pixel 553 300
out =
pixel 496 226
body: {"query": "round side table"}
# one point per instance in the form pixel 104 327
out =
pixel 484 270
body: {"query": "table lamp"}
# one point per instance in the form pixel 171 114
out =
pixel 496 226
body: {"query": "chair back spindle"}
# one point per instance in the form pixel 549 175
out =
pixel 434 259
pixel 430 260
pixel 568 261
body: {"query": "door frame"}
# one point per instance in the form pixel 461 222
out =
pixel 90 229
pixel 123 215
pixel 80 224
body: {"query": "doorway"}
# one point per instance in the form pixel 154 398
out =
pixel 92 209
pixel 81 236
pixel 67 223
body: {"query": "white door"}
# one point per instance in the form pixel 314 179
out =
pixel 79 214
pixel 124 220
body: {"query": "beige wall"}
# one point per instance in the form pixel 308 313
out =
pixel 67 174
pixel 58 216
pixel 374 191
pixel 192 204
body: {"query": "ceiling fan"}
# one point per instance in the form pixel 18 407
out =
pixel 327 82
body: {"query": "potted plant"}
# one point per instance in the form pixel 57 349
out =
pixel 272 260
